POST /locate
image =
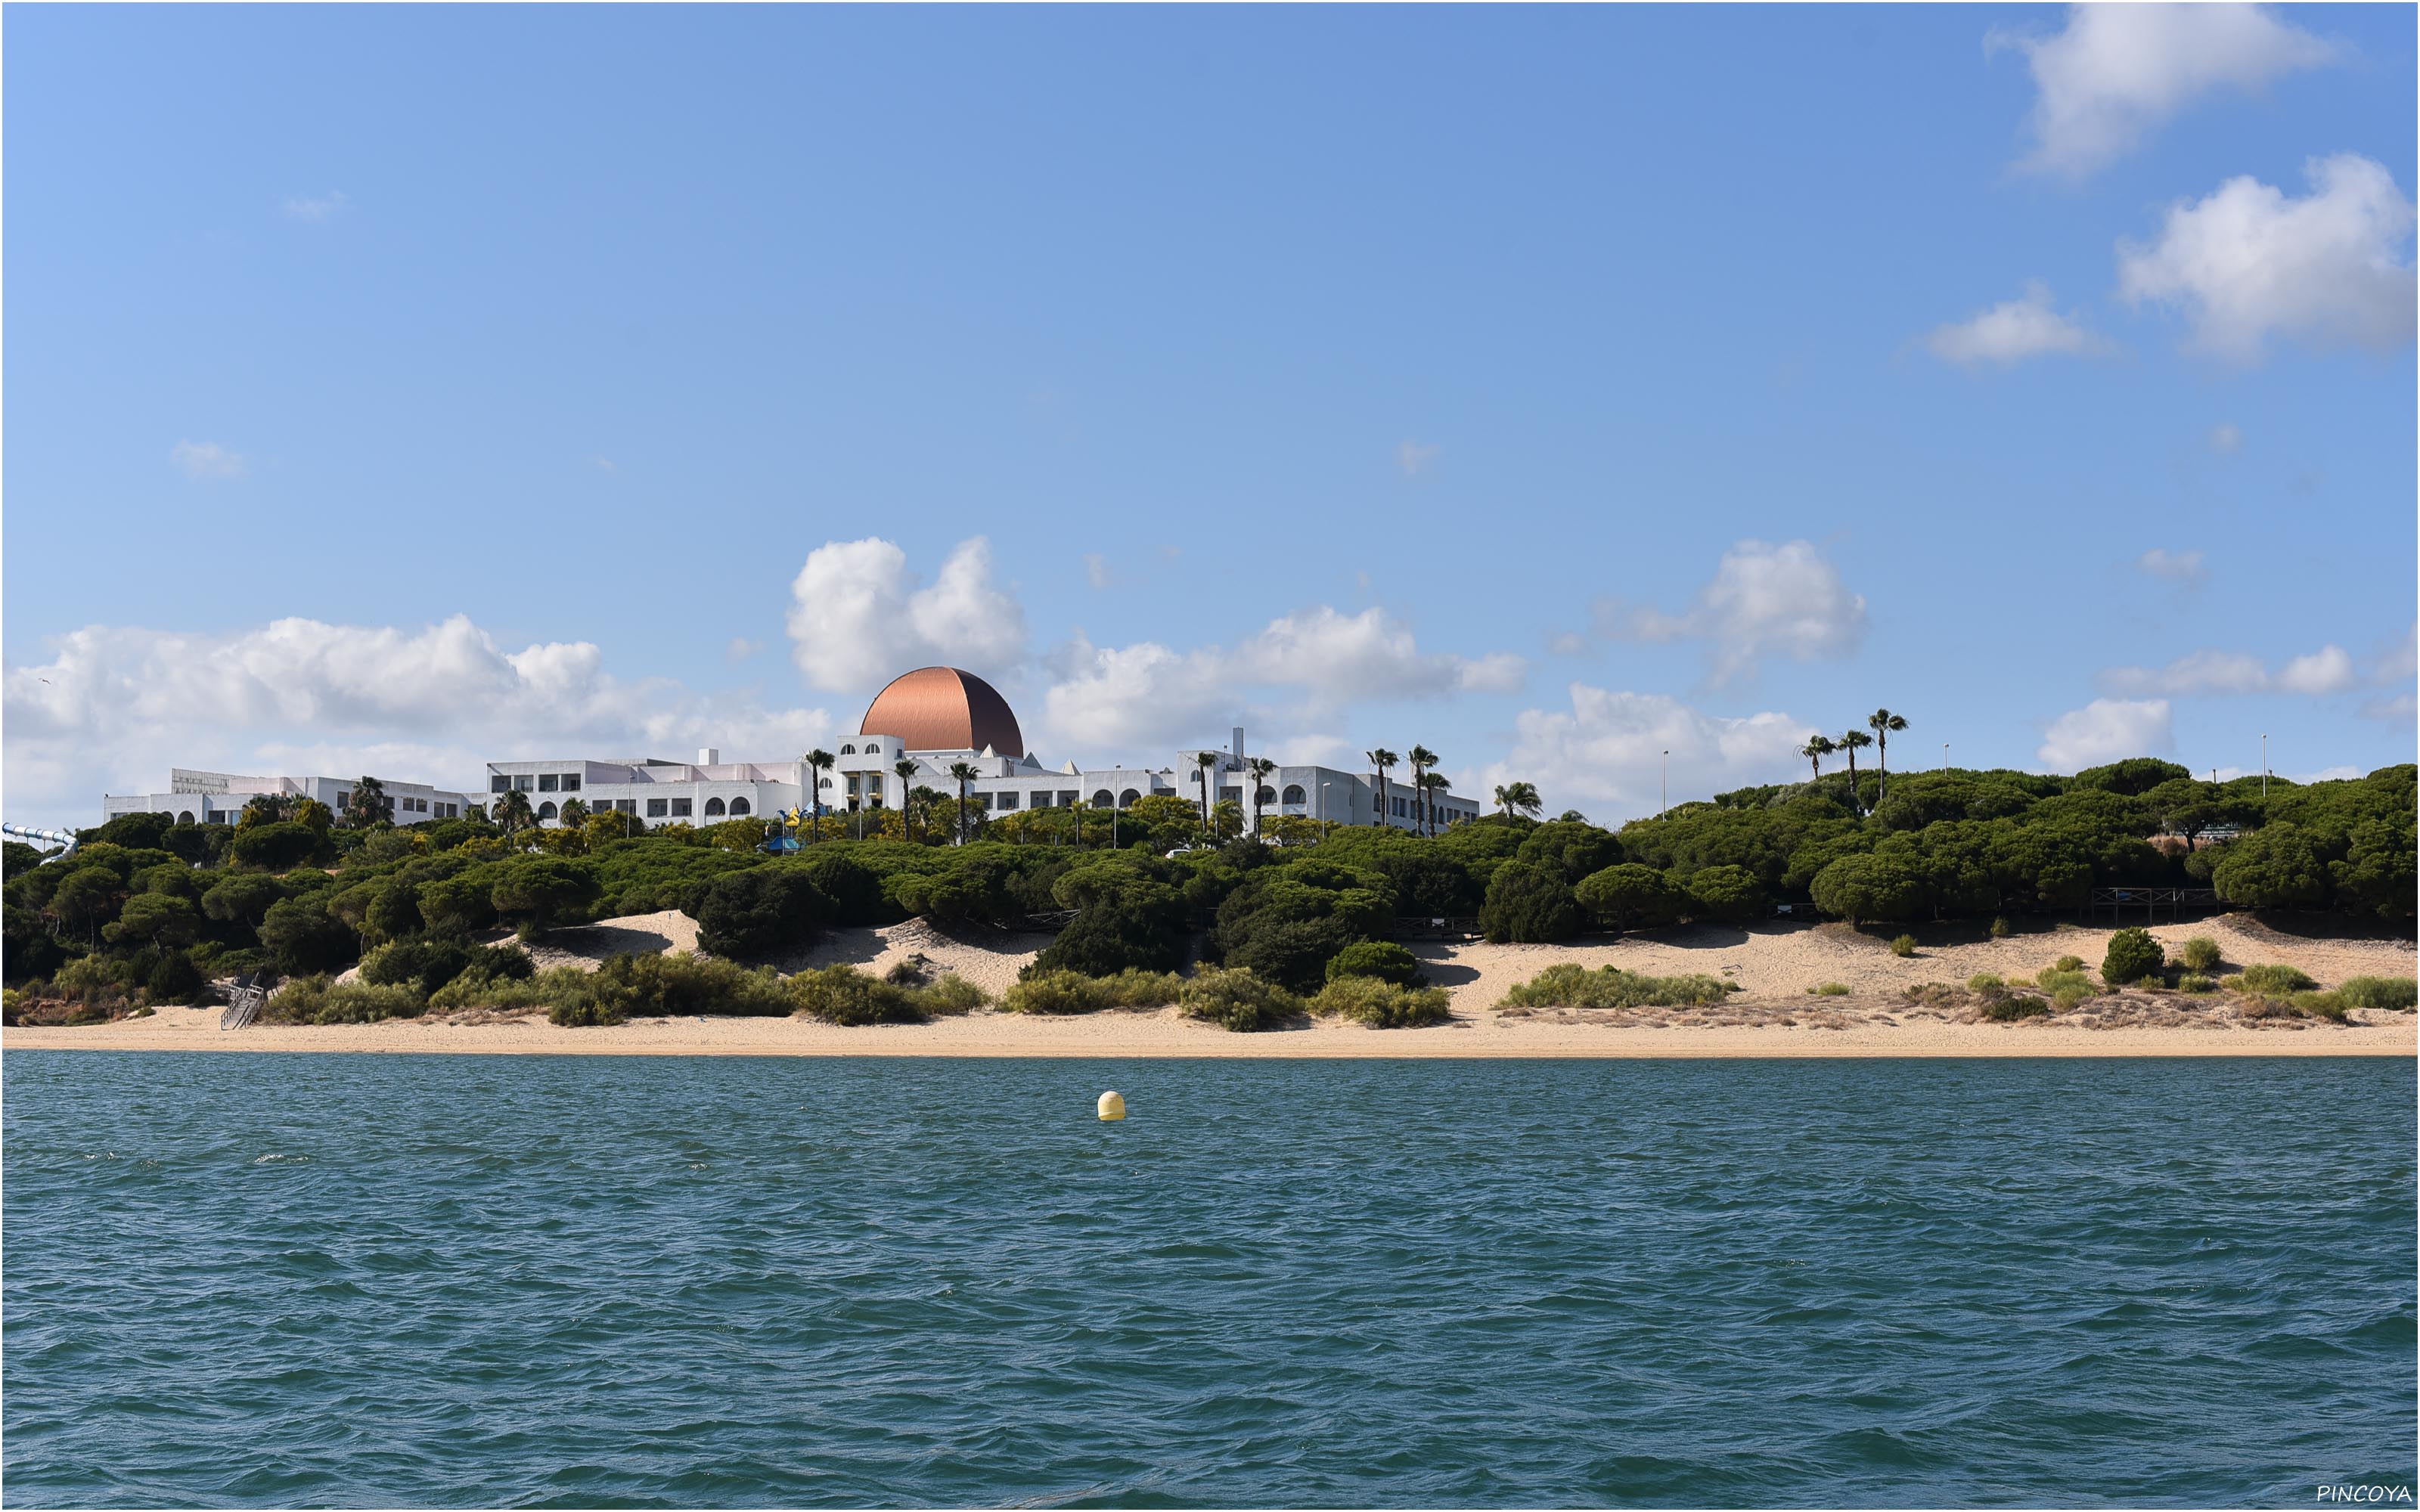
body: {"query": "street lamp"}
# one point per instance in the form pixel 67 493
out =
pixel 2264 769
pixel 1944 756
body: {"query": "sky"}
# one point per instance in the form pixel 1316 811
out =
pixel 399 389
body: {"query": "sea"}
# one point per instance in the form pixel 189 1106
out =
pixel 258 1279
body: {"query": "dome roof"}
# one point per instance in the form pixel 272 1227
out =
pixel 941 708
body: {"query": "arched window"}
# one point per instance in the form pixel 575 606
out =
pixel 849 750
pixel 739 808
pixel 546 811
pixel 1127 797
pixel 713 807
pixel 184 816
pixel 1101 800
pixel 1264 796
pixel 1293 793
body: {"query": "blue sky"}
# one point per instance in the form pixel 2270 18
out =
pixel 406 388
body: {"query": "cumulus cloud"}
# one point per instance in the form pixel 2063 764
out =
pixel 1605 751
pixel 2181 567
pixel 2249 264
pixel 1302 667
pixel 315 209
pixel 857 617
pixel 206 459
pixel 2117 72
pixel 116 707
pixel 2328 669
pixel 2104 731
pixel 1764 600
pixel 2010 332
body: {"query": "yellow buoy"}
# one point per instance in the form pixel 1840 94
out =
pixel 1113 1107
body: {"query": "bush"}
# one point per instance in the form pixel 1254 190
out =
pixel 2132 955
pixel 1114 934
pixel 1575 986
pixel 2071 985
pixel 1382 1004
pixel 2068 963
pixel 565 987
pixel 316 1000
pixel 2321 1005
pixel 174 980
pixel 2387 995
pixel 304 938
pixel 1238 1000
pixel 2006 1007
pixel 949 996
pixel 1983 982
pixel 2273 980
pixel 1382 959
pixel 1631 896
pixel 1730 893
pixel 1829 989
pixel 1527 905
pixel 844 995
pixel 1904 946
pixel 763 908
pixel 1072 991
pixel 2000 930
pixel 631 986
pixel 2194 982
pixel 2200 953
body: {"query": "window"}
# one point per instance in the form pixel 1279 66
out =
pixel 546 811
pixel 714 808
pixel 739 808
pixel 1231 794
pixel 344 801
pixel 184 816
pixel 219 818
pixel 1128 797
pixel 521 782
pixel 656 808
pixel 680 808
pixel 495 784
pixel 1008 800
pixel 1101 800
pixel 571 781
pixel 1398 807
pixel 1067 800
pixel 849 750
pixel 1293 793
pixel 547 781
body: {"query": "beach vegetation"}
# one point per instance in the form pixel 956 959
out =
pixel 1630 896
pixel 2132 956
pixel 2274 980
pixel 1060 992
pixel 1829 989
pixel 2387 995
pixel 1528 904
pixel 1383 960
pixel 1382 1004
pixel 317 999
pixel 1903 946
pixel 1235 998
pixel 2200 953
pixel 2195 982
pixel 1568 984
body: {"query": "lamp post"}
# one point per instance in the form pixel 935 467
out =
pixel 2264 769
pixel 1945 757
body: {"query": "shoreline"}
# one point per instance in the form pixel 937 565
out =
pixel 1162 1035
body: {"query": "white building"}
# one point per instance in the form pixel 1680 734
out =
pixel 934 718
pixel 218 797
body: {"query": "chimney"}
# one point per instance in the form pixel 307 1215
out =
pixel 708 755
pixel 1239 743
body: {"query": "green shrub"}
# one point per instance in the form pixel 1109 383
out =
pixel 2321 1005
pixel 2390 995
pixel 1631 896
pixel 174 980
pixel 2007 1006
pixel 1984 981
pixel 1903 946
pixel 949 995
pixel 1054 992
pixel 680 981
pixel 2200 953
pixel 1732 894
pixel 562 988
pixel 583 1012
pixel 2132 955
pixel 2000 930
pixel 1238 1000
pixel 1382 1004
pixel 1568 986
pixel 2068 985
pixel 1382 959
pixel 318 1000
pixel 2195 982
pixel 772 907
pixel 2273 980
pixel 2068 963
pixel 1829 989
pixel 844 995
pixel 1530 905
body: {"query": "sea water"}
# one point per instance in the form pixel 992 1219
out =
pixel 235 1279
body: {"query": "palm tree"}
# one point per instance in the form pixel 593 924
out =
pixel 1203 763
pixel 906 771
pixel 1518 796
pixel 1881 723
pixel 965 772
pixel 1816 749
pixel 1421 759
pixel 818 762
pixel 575 811
pixel 1432 784
pixel 511 810
pixel 918 804
pixel 369 804
pixel 1260 767
pixel 1380 760
pixel 1854 741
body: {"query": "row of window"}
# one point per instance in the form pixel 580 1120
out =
pixel 658 808
pixel 1410 808
pixel 542 782
pixel 872 748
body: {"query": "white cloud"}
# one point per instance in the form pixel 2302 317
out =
pixel 2104 731
pixel 741 648
pixel 856 617
pixel 2247 264
pixel 2120 71
pixel 116 707
pixel 1299 668
pixel 315 209
pixel 2010 332
pixel 2182 567
pixel 2226 440
pixel 2328 669
pixel 1763 600
pixel 1413 456
pixel 206 459
pixel 1096 569
pixel 1605 753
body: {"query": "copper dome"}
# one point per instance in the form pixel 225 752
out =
pixel 941 708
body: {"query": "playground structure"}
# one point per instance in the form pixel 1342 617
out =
pixel 38 838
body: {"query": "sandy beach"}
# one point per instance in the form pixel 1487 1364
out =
pixel 1773 1014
